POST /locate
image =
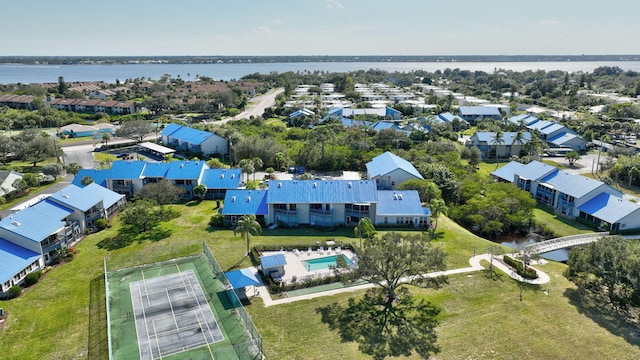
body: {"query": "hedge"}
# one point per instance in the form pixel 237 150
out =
pixel 32 278
pixel 528 273
pixel 14 291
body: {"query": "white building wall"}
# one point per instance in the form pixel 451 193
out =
pixel 21 241
pixel 215 145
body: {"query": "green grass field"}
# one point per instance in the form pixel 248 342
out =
pixel 481 318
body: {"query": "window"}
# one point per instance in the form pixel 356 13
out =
pixel 315 206
pixel 280 206
pixel 292 207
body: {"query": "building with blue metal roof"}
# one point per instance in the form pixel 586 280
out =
pixel 508 172
pixel 111 200
pixel 219 181
pixel 563 192
pixel 244 202
pixel 187 139
pixel 98 176
pixel 29 229
pixel 401 208
pixel 17 262
pixel 556 135
pixel 273 265
pixel 611 212
pixel 486 142
pixel 389 170
pixel 475 113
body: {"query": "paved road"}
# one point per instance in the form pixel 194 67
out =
pixel 256 106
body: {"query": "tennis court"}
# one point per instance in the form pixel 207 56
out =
pixel 172 315
pixel 176 309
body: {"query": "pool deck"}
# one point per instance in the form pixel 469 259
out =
pixel 295 268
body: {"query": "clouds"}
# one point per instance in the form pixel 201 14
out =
pixel 263 29
pixel 331 4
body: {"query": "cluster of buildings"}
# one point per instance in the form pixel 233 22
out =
pixel 30 237
pixel 573 196
pixel 330 203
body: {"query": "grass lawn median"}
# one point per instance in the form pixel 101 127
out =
pixel 481 317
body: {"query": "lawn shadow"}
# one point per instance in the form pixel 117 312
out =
pixel 155 234
pixel 604 315
pixel 128 235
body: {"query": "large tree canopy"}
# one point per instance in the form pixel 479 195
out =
pixel 388 321
pixel 136 130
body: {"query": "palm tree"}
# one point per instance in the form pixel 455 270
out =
pixel 438 207
pixel 247 225
pixel 633 173
pixel 280 161
pixel 247 167
pixel 519 139
pixel 257 164
pixel 498 139
pixel 105 139
pixel 364 229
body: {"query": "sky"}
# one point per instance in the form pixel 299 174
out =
pixel 317 27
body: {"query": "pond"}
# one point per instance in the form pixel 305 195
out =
pixel 561 255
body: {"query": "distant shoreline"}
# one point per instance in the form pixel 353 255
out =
pixel 102 60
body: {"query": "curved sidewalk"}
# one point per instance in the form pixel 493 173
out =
pixel 474 261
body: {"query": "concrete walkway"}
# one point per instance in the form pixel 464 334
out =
pixel 263 292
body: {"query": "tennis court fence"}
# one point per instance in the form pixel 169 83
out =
pixel 242 339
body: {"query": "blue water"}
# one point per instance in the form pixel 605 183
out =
pixel 26 74
pixel 324 263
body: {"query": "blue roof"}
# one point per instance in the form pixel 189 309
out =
pixel 387 162
pixel 609 208
pixel 535 170
pixel 242 278
pixel 322 191
pixel 301 112
pixel 222 178
pixel 552 128
pixel 354 123
pixel 507 137
pixel 271 261
pixel 155 170
pixel 528 119
pixel 564 138
pixel 127 169
pixel 448 117
pixel 573 185
pixel 98 176
pixel 76 197
pixel 381 125
pixel 245 202
pixel 399 203
pixel 30 224
pixel 508 171
pixel 52 209
pixel 540 124
pixel 186 134
pixel 14 258
pixel 109 198
pixel 186 169
pixel 478 110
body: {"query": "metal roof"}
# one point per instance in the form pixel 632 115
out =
pixel 187 169
pixel 536 170
pixel 399 203
pixel 98 176
pixel 14 258
pixel 76 197
pixel 245 202
pixel 271 261
pixel 387 162
pixel 52 209
pixel 127 169
pixel 508 137
pixel 609 208
pixel 186 134
pixel 564 138
pixel 478 110
pixel 155 170
pixel 322 191
pixel 222 178
pixel 242 278
pixel 156 147
pixel 109 198
pixel 573 185
pixel 552 128
pixel 508 171
pixel 31 225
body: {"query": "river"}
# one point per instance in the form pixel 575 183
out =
pixel 28 74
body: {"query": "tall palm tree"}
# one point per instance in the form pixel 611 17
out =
pixel 257 165
pixel 498 139
pixel 438 207
pixel 247 225
pixel 519 139
pixel 364 229
pixel 280 161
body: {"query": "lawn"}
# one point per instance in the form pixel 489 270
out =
pixel 559 225
pixel 481 318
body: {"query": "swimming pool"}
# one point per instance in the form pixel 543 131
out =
pixel 324 262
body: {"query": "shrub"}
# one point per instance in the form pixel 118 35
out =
pixel 528 273
pixel 101 224
pixel 32 278
pixel 14 291
pixel 216 221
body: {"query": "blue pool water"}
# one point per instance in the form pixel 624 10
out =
pixel 324 262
